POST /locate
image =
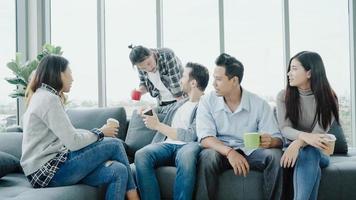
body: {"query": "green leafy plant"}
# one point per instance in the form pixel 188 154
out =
pixel 23 70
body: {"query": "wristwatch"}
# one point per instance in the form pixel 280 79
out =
pixel 99 133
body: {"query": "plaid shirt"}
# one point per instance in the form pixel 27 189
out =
pixel 42 177
pixel 170 70
pixel 50 89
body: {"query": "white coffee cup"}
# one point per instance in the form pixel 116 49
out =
pixel 330 143
pixel 112 122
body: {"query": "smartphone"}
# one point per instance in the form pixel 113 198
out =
pixel 148 112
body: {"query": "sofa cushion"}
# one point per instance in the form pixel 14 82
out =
pixel 138 135
pixel 16 186
pixel 96 118
pixel 340 143
pixel 338 180
pixel 232 186
pixel 8 163
pixel 11 143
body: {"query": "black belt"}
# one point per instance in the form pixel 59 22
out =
pixel 164 103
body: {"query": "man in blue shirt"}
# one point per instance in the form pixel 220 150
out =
pixel 223 116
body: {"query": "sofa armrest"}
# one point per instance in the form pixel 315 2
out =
pixel 11 143
pixel 14 129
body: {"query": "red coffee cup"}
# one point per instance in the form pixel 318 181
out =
pixel 136 95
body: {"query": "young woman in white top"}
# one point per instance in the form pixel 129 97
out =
pixel 305 110
pixel 54 153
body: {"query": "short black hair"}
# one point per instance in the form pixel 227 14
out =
pixel 138 54
pixel 232 66
pixel 199 73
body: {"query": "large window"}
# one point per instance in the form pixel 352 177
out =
pixel 252 31
pixel 7 52
pixel 322 26
pixel 191 30
pixel 253 34
pixel 74 28
pixel 127 22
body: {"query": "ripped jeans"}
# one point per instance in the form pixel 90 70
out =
pixel 90 166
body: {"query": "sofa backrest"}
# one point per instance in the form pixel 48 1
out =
pixel 10 142
pixel 340 143
pixel 89 118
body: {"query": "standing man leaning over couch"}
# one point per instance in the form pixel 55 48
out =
pixel 223 116
pixel 174 144
pixel 159 71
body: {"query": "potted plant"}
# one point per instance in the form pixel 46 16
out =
pixel 23 70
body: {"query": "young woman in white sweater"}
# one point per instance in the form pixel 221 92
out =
pixel 305 110
pixel 54 153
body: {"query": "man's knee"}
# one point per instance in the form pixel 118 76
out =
pixel 273 155
pixel 141 156
pixel 186 161
pixel 147 156
pixel 188 155
pixel 190 148
pixel 209 159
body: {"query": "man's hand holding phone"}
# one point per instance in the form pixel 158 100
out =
pixel 150 119
pixel 148 111
pixel 145 110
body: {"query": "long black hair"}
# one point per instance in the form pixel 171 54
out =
pixel 325 97
pixel 48 72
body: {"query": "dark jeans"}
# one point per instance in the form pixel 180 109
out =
pixel 212 164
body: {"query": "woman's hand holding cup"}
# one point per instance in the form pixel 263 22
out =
pixel 111 128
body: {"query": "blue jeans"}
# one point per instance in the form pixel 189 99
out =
pixel 89 166
pixel 307 172
pixel 184 157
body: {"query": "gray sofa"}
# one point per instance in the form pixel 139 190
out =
pixel 338 180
